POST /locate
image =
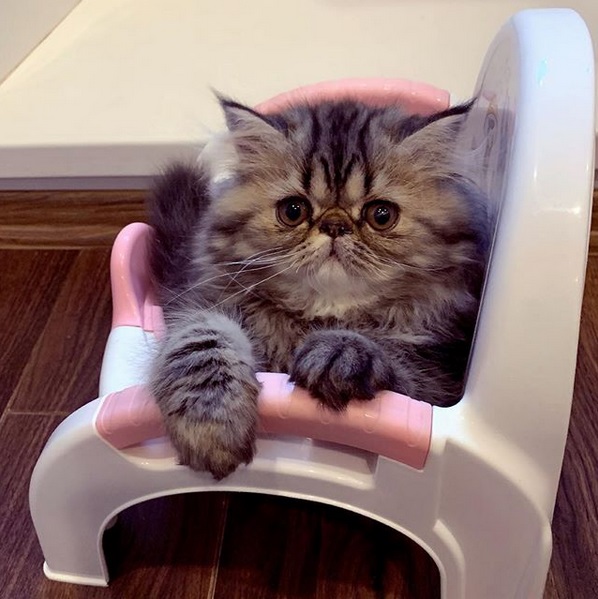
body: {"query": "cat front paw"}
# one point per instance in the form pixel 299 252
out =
pixel 214 426
pixel 216 447
pixel 336 366
pixel 209 408
pixel 205 386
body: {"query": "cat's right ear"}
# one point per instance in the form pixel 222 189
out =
pixel 259 141
pixel 243 119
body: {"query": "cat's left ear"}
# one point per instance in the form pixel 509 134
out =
pixel 432 143
pixel 443 125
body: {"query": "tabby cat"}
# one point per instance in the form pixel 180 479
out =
pixel 341 243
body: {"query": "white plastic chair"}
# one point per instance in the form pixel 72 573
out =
pixel 474 484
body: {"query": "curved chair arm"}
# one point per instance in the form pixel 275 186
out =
pixel 391 425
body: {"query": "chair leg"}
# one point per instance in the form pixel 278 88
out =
pixel 503 534
pixel 79 484
pixel 488 537
pixel 68 510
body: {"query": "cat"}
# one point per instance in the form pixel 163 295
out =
pixel 341 243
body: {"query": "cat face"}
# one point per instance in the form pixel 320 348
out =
pixel 325 207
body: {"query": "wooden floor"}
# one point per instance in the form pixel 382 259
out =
pixel 55 316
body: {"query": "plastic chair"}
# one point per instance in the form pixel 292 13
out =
pixel 474 484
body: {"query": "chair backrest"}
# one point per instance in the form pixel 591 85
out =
pixel 413 96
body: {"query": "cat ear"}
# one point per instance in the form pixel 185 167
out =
pixel 432 142
pixel 445 124
pixel 241 118
pixel 259 141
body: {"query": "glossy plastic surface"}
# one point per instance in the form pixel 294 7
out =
pixel 133 301
pixel 414 97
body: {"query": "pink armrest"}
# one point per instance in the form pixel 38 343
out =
pixel 133 300
pixel 391 425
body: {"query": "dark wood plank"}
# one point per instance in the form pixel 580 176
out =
pixel 275 547
pixel 574 567
pixel 168 547
pixel 79 219
pixel 29 285
pixel 21 439
pixel 63 371
pixel 66 219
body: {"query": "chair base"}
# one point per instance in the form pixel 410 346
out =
pixel 482 547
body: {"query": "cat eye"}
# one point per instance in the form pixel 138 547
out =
pixel 293 211
pixel 381 215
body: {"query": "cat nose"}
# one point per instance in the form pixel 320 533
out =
pixel 336 225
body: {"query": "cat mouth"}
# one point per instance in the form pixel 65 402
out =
pixel 330 255
pixel 333 259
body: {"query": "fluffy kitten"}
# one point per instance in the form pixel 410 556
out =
pixel 340 243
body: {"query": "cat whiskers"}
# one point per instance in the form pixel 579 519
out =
pixel 218 276
pixel 263 254
pixel 252 286
pixel 298 256
pixel 312 279
pixel 370 261
pixel 272 259
pixel 233 279
pixel 395 263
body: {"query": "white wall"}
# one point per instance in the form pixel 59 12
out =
pixel 121 84
pixel 24 24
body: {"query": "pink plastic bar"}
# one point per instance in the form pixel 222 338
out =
pixel 133 302
pixel 414 97
pixel 129 417
pixel 391 424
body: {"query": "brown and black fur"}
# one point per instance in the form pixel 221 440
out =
pixel 346 309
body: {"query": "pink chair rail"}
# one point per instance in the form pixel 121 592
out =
pixel 391 424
